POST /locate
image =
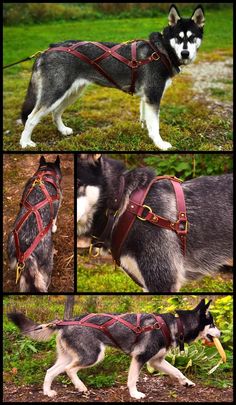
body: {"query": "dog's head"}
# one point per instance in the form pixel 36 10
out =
pixel 199 323
pixel 184 35
pixel 55 166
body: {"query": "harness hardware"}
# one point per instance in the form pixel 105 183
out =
pixel 19 269
pixel 141 218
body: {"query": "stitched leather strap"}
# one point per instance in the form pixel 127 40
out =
pixel 137 209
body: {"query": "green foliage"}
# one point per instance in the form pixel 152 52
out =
pixel 187 166
pixel 223 317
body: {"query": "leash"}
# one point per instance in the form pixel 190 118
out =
pixel 38 180
pixel 35 55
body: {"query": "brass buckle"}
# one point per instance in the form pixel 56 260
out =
pixel 19 269
pixel 184 222
pixel 149 209
pixel 37 182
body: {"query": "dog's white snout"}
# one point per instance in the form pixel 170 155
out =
pixel 214 332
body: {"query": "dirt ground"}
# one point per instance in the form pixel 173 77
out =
pixel 157 389
pixel 18 168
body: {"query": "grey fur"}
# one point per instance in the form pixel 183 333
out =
pixel 157 251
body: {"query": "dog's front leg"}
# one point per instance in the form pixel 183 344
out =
pixel 133 375
pixel 142 113
pixel 173 372
pixel 152 121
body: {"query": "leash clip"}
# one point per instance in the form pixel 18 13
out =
pixel 91 251
pixel 19 268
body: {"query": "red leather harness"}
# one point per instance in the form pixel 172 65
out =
pixel 137 328
pixel 137 209
pixel 133 63
pixel 38 180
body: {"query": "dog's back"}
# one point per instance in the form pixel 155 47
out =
pixel 27 235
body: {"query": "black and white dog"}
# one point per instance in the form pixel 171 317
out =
pixel 152 255
pixel 35 270
pixel 59 77
pixel 80 346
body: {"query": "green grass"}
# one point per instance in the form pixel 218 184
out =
pixel 93 276
pixel 107 119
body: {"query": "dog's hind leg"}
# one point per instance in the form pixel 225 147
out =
pixel 33 119
pixel 134 370
pixel 68 98
pixel 173 372
pixel 71 371
pixel 59 367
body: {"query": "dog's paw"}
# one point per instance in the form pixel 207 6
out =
pixel 50 393
pixel 164 145
pixel 137 395
pixel 66 131
pixel 27 143
pixel 188 383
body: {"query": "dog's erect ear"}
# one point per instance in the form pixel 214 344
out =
pixel 173 16
pixel 42 161
pixel 207 305
pixel 198 16
pixel 57 161
pixel 202 306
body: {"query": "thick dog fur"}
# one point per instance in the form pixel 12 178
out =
pixel 36 274
pixel 152 255
pixel 80 347
pixel 58 78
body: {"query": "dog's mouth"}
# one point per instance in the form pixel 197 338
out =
pixel 209 338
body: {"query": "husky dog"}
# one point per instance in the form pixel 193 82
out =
pixel 80 346
pixel 152 255
pixel 36 271
pixel 58 78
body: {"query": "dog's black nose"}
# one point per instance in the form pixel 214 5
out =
pixel 185 54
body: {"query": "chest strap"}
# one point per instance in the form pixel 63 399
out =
pixel 136 209
pixel 38 180
pixel 133 64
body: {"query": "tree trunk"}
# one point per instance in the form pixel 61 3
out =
pixel 69 307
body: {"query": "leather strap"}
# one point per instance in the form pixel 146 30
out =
pixel 137 209
pixel 133 63
pixel 39 179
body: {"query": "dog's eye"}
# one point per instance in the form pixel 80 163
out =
pixel 179 40
pixel 192 38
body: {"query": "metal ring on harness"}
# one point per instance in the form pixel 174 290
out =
pixel 148 208
pixel 155 56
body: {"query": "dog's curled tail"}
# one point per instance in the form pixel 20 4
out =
pixel 31 329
